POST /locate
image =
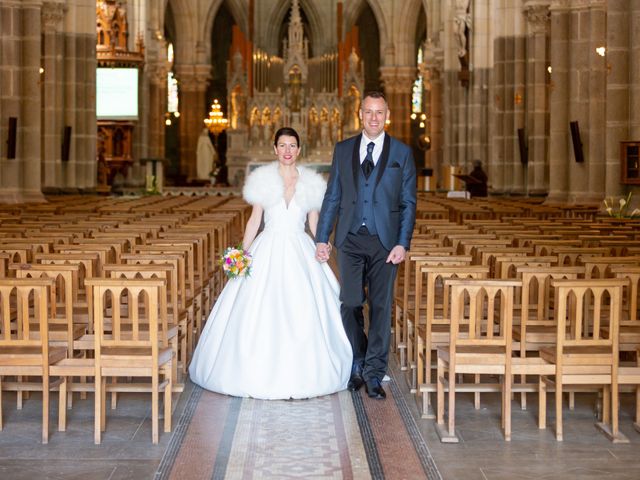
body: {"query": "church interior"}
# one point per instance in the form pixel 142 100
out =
pixel 127 130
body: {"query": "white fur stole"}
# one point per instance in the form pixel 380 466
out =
pixel 264 187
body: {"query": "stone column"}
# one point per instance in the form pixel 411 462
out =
pixel 537 14
pixel 596 104
pixel 52 128
pixel 432 73
pixel 193 80
pixel 157 108
pixel 398 82
pixel 634 69
pixel 10 97
pixel 623 87
pixel 559 149
pixel 31 101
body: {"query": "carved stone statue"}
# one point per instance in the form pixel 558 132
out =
pixel 461 22
pixel 206 156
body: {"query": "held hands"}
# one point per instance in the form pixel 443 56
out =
pixel 396 255
pixel 323 252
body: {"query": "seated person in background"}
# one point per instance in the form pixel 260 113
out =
pixel 477 188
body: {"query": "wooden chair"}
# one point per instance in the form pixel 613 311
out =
pixel 536 327
pixel 23 354
pixel 123 349
pixel 411 315
pixel 167 297
pixel 582 355
pixel 487 307
pixel 432 328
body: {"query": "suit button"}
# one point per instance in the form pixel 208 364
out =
pixel 354 202
pixel 366 201
pixel 364 219
pixel 366 184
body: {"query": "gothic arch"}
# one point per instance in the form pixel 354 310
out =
pixel 318 38
pixel 238 11
pixel 352 12
pixel 408 22
pixel 184 15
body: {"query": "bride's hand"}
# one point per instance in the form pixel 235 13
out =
pixel 323 251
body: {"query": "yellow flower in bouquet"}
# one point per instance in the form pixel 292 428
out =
pixel 236 262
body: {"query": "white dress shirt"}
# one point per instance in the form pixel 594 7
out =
pixel 377 149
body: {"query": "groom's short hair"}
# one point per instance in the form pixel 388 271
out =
pixel 374 94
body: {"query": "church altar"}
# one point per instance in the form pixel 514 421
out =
pixel 318 96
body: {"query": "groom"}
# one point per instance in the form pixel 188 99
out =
pixel 372 194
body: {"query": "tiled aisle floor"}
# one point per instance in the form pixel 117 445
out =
pixel 127 452
pixel 482 454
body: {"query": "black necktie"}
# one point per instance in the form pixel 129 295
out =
pixel 367 164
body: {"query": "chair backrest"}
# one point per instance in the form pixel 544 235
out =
pixel 486 306
pixel 433 291
pixel 600 266
pixel 631 293
pixel 164 272
pixel 583 307
pixel 122 326
pixel 62 294
pixel 507 265
pixel 28 300
pixel 536 291
pixel 175 260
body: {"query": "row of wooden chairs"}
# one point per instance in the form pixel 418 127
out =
pixel 534 257
pixel 126 294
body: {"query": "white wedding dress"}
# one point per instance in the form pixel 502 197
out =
pixel 278 333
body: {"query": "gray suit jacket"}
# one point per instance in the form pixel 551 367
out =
pixel 394 196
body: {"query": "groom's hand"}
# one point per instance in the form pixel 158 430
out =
pixel 323 251
pixel 396 255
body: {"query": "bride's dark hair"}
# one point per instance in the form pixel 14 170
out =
pixel 288 131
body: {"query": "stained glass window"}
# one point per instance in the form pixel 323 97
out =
pixel 416 96
pixel 172 84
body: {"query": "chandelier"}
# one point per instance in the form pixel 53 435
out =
pixel 216 122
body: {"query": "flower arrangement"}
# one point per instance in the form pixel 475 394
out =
pixel 622 210
pixel 236 262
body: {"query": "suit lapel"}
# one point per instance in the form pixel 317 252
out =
pixel 384 157
pixel 355 161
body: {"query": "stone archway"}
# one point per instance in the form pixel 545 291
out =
pixel 317 38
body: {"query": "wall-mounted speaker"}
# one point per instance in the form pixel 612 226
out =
pixel 522 146
pixel 577 143
pixel 66 143
pixel 12 137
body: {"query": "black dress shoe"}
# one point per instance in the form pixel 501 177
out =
pixel 374 389
pixel 355 381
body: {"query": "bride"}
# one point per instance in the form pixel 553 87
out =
pixel 278 333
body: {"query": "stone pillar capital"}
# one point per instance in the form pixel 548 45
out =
pixel 52 15
pixel 397 79
pixel 538 16
pixel 157 72
pixel 193 77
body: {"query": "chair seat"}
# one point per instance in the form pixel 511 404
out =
pixel 26 355
pixel 579 356
pixel 484 355
pixel 73 367
pixel 58 332
pixel 536 333
pixel 123 356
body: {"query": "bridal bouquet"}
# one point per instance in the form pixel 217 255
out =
pixel 236 262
